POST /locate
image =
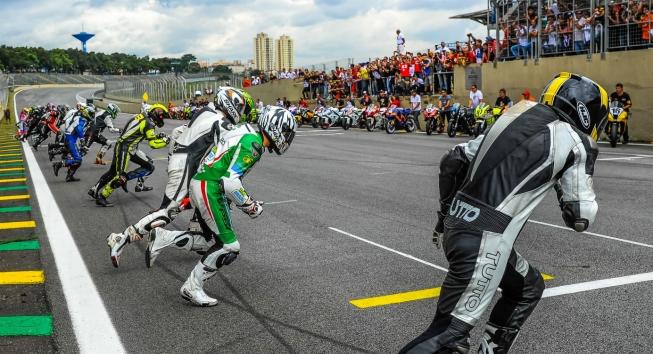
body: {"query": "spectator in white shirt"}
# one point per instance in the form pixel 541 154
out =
pixel 475 97
pixel 401 41
pixel 416 106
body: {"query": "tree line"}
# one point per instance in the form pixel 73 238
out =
pixel 38 59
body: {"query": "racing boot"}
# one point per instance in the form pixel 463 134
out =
pixel 70 176
pixel 497 339
pixel 102 201
pixel 185 240
pixel 56 167
pixel 117 243
pixel 454 340
pixel 193 288
pixel 141 187
pixel 93 191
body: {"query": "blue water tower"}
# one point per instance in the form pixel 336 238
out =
pixel 83 37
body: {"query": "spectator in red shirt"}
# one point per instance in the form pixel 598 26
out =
pixel 417 64
pixel 404 69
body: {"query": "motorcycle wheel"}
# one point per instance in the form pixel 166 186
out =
pixel 390 127
pixel 369 124
pixel 410 125
pixel 324 126
pixel 613 135
pixel 314 123
pixel 429 127
pixel 451 129
pixel 479 129
pixel 346 125
pixel 299 121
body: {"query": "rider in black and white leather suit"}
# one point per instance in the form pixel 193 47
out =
pixel 489 187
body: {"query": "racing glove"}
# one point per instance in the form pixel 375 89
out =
pixel 438 232
pixel 252 208
pixel 164 137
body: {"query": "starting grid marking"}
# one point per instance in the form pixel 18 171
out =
pixel 430 293
pixel 11 165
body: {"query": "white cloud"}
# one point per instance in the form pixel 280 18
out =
pixel 322 29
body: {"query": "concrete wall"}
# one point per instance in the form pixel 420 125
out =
pixel 270 91
pixel 633 68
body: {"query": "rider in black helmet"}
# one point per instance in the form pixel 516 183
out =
pixel 486 198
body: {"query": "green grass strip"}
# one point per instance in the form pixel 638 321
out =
pixel 12 188
pixel 10 158
pixel 13 164
pixel 12 174
pixel 15 209
pixel 26 325
pixel 20 246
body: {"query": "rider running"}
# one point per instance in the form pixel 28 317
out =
pixel 49 119
pixel 218 183
pixel 97 125
pixel 140 127
pixel 490 196
pixel 190 143
pixel 74 129
pixel 621 96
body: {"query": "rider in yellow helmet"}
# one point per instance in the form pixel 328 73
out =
pixel 141 126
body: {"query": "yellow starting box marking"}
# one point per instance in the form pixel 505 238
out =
pixel 22 277
pixel 14 197
pixel 29 224
pixel 415 295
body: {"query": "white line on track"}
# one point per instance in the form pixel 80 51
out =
pixel 592 234
pixel 597 284
pixel 549 292
pixel 90 320
pixel 319 134
pixel 281 202
pixel 634 144
pixel 623 158
pixel 388 249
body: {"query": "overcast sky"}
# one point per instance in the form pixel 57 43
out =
pixel 224 29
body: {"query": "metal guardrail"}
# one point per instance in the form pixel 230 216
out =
pixel 4 92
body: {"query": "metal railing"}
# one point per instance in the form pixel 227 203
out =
pixel 4 92
pixel 164 88
pixel 530 29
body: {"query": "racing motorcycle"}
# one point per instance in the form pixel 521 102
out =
pixel 305 116
pixel 461 120
pixel 485 116
pixel 369 116
pixel 432 119
pixel 329 117
pixel 617 121
pixel 400 118
pixel 351 116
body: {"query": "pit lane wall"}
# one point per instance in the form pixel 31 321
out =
pixel 632 68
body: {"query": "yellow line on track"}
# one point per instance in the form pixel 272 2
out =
pixel 14 197
pixel 17 225
pixel 12 169
pixel 9 180
pixel 22 277
pixel 398 298
pixel 10 161
pixel 11 155
pixel 7 150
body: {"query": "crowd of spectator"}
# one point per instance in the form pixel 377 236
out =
pixel 572 27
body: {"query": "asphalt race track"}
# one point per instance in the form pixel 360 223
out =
pixel 349 216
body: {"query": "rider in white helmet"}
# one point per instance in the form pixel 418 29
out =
pixel 189 145
pixel 216 184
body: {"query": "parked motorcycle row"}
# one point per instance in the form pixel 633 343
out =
pixel 456 119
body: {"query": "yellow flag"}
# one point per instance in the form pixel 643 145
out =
pixel 145 96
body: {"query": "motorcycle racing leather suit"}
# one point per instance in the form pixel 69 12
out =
pixel 216 184
pixel 126 149
pixel 101 121
pixel 190 143
pixel 508 172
